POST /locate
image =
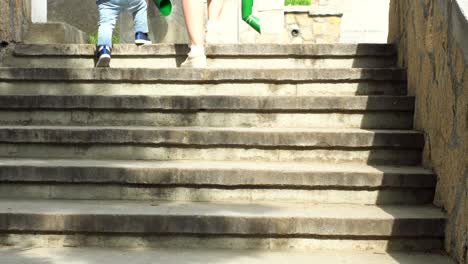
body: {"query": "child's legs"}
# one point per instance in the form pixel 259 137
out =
pixel 108 14
pixel 140 15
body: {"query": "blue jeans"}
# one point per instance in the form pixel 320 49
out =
pixel 109 11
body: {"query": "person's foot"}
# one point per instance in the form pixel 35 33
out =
pixel 196 58
pixel 194 61
pixel 103 56
pixel 142 38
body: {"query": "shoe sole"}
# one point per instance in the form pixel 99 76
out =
pixel 103 61
pixel 140 42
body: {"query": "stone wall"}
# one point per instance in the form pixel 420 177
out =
pixel 432 38
pixel 364 21
pixel 317 24
pixel 15 17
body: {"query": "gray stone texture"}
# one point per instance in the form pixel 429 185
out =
pixel 15 17
pixel 172 256
pixel 267 219
pixel 432 40
pixel 206 173
pixel 219 56
pixel 263 50
pixel 244 103
pixel 200 75
pixel 221 137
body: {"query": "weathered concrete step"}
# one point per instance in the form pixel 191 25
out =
pixel 222 56
pixel 229 242
pixel 250 219
pixel 215 181
pixel 145 75
pixel 209 173
pixel 213 118
pixel 237 103
pixel 373 112
pixel 302 50
pixel 236 88
pixel 111 191
pixel 382 156
pixel 211 136
pixel 207 256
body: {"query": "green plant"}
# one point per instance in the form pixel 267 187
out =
pixel 298 2
pixel 93 39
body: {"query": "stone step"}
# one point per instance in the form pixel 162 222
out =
pixel 242 103
pixel 373 112
pixel 196 143
pixel 209 256
pixel 233 88
pixel 201 118
pixel 180 75
pixel 219 56
pixel 286 220
pixel 215 181
pixel 211 136
pixel 374 156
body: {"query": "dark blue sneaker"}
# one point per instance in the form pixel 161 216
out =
pixel 103 55
pixel 142 38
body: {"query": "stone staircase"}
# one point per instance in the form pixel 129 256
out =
pixel 273 148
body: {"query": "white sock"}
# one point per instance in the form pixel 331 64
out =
pixel 197 50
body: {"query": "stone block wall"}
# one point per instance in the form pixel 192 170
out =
pixel 15 17
pixel 316 24
pixel 432 38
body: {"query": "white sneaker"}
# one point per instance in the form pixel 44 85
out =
pixel 198 61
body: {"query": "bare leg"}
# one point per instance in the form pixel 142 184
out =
pixel 193 12
pixel 213 27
